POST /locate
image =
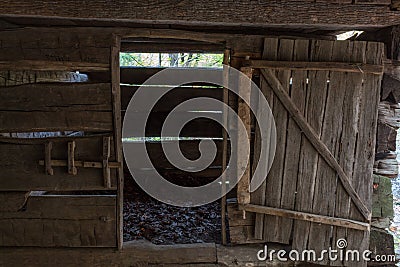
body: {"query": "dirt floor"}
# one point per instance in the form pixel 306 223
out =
pixel 147 218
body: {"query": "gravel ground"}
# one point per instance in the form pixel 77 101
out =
pixel 147 218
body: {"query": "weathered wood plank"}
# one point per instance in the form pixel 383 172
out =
pixel 244 136
pixel 189 148
pixel 199 127
pixel 298 93
pixel 117 130
pixel 309 158
pixel 306 65
pixel 258 197
pixel 43 65
pixel 21 169
pixel 12 201
pixel 364 157
pixel 48 121
pixel 353 84
pixel 173 97
pixel 328 15
pixel 307 217
pixel 77 207
pixel 69 221
pixel 63 46
pixel 324 201
pixel 275 176
pixel 56 107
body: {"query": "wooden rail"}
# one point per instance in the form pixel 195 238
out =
pixel 307 217
pixel 329 66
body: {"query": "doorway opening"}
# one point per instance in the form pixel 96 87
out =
pixel 145 217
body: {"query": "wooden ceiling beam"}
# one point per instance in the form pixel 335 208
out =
pixel 292 13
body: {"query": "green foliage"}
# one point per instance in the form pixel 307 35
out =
pixel 171 60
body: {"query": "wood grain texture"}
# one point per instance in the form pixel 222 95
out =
pixel 207 12
pixel 66 221
pixel 309 158
pixel 117 131
pixel 55 107
pixel 62 46
pixel 134 254
pixel 259 196
pixel 244 114
pixel 275 177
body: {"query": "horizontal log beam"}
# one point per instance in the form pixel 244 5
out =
pixel 307 217
pixel 207 12
pixel 315 66
pixel 41 65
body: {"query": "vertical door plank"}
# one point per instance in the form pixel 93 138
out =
pixel 258 197
pixel 309 158
pixel 272 224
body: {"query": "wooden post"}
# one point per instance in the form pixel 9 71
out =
pixel 224 147
pixel 106 157
pixel 71 158
pixel 244 113
pixel 116 101
pixel 47 158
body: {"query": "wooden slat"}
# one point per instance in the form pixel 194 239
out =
pixel 313 137
pixel 306 65
pixel 37 121
pixel 309 158
pixel 308 217
pixel 190 149
pixel 56 97
pixel 298 93
pixel 135 75
pixel 117 130
pixel 140 253
pixel 43 65
pixel 199 127
pixel 225 100
pixel 172 98
pixel 346 154
pixel 78 207
pixel 259 196
pixel 374 2
pixel 324 202
pixel 68 221
pixel 272 224
pixel 42 48
pixel 55 107
pixel 244 114
pixel 206 12
pixel 21 169
pixel 364 156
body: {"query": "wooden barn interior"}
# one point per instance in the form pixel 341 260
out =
pixel 67 198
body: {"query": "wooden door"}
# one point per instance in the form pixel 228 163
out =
pixel 324 97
